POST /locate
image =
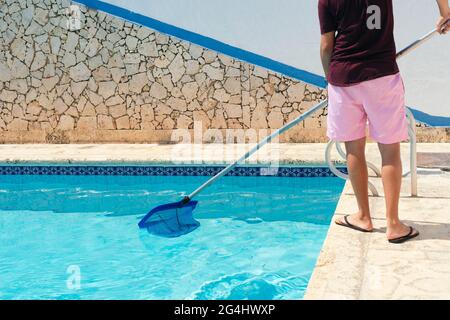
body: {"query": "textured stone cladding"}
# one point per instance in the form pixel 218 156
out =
pixel 117 81
pixel 114 81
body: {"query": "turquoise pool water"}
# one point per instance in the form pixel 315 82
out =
pixel 76 237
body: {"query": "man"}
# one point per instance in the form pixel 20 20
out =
pixel 359 59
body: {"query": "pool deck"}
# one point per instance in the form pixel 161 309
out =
pixel 351 265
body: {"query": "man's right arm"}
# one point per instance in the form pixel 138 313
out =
pixel 442 25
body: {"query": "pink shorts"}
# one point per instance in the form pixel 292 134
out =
pixel 380 103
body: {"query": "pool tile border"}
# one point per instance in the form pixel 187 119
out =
pixel 154 170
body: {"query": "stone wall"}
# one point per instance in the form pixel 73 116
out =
pixel 114 81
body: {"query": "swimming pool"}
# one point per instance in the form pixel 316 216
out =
pixel 74 235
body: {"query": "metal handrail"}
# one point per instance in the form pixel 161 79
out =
pixel 413 152
pixel 340 174
pixel 369 164
pixel 413 158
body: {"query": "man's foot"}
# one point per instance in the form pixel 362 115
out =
pixel 400 233
pixel 356 222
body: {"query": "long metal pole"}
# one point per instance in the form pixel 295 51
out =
pixel 266 140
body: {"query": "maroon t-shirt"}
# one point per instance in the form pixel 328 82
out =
pixel 364 47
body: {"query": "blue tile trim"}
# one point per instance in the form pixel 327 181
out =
pixel 428 119
pixel 247 171
pixel 207 42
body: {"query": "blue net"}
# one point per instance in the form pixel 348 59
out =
pixel 171 220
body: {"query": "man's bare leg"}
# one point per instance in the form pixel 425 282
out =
pixel 392 180
pixel 359 177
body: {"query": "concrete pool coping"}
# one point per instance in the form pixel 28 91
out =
pixel 351 265
pixel 284 153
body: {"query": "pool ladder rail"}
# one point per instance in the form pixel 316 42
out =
pixel 372 188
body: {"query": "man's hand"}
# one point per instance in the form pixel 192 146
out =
pixel 443 25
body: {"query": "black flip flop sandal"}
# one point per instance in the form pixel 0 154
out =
pixel 351 226
pixel 409 236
